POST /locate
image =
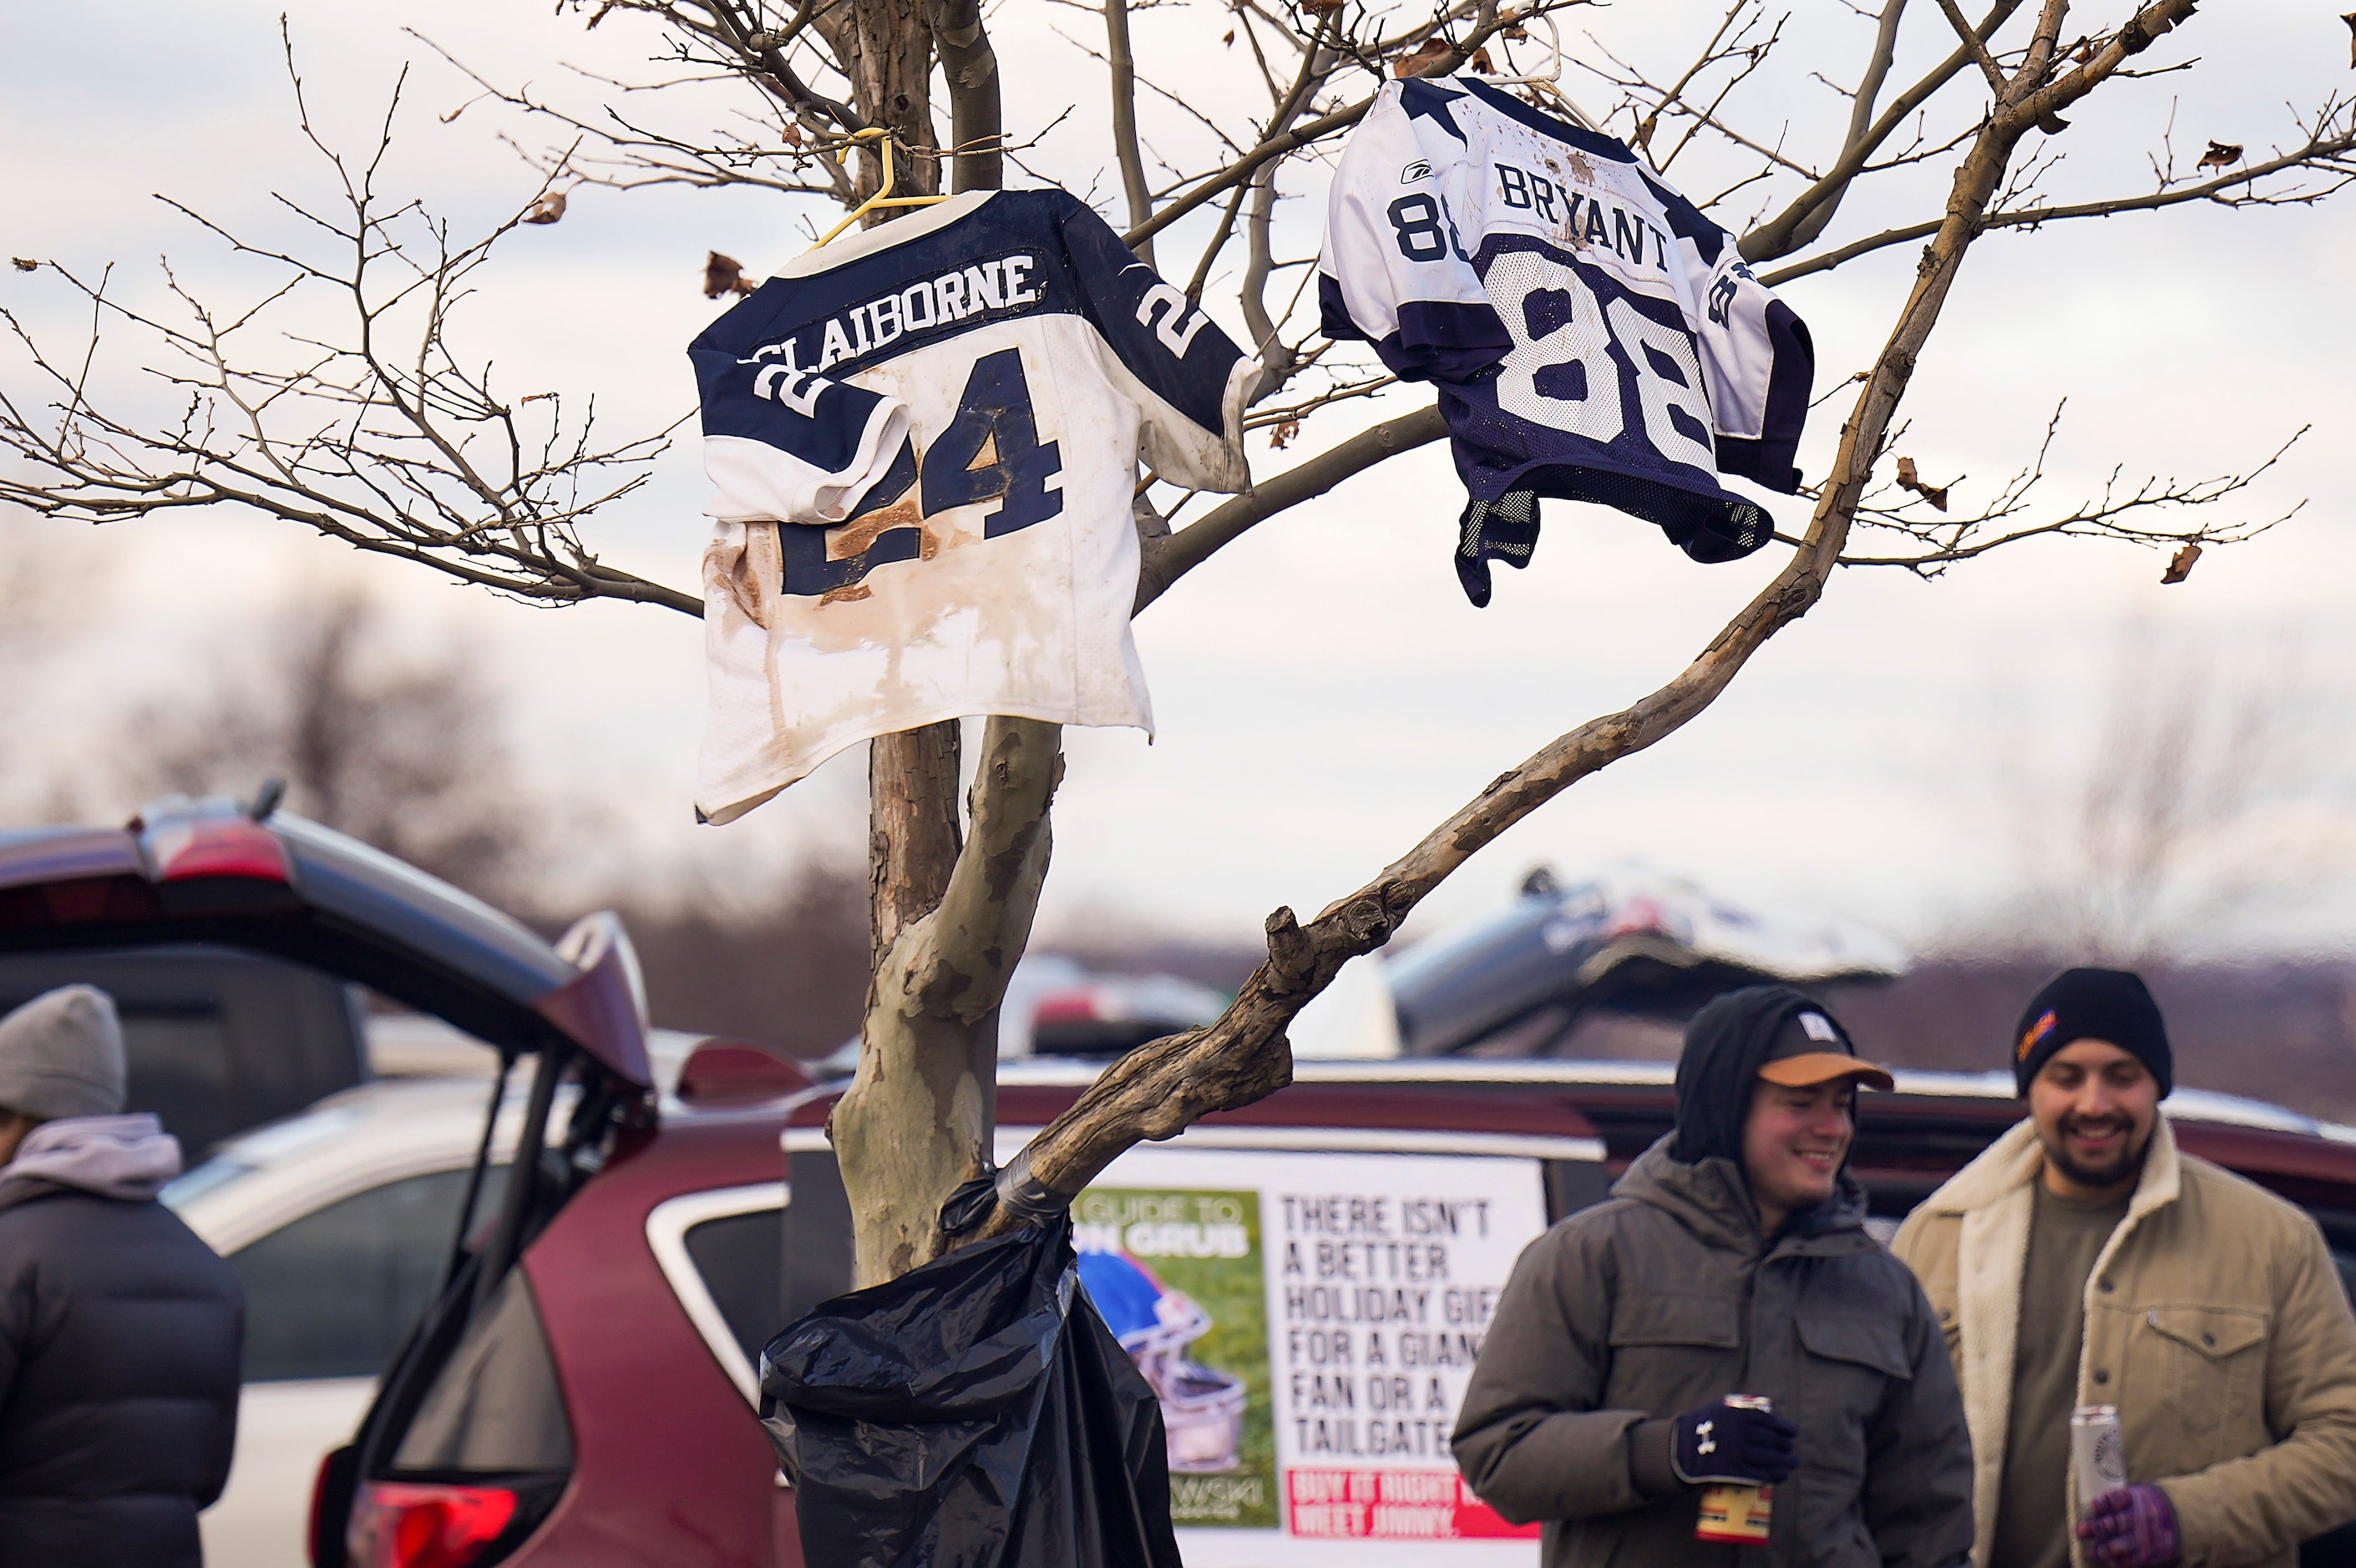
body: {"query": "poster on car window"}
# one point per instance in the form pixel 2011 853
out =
pixel 1309 1321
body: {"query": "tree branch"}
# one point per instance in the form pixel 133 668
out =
pixel 1172 556
pixel 1975 47
pixel 2326 153
pixel 1776 236
pixel 969 65
pixel 1122 69
pixel 1860 118
pixel 1158 1090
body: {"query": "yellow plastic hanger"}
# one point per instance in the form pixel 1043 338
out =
pixel 883 196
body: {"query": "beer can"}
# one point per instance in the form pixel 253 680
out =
pixel 1737 1513
pixel 2098 1453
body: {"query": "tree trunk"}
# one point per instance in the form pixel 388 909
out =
pixel 950 917
pixel 885 48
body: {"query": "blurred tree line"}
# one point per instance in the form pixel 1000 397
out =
pixel 400 740
pixel 2203 794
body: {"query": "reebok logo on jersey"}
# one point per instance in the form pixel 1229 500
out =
pixel 1418 170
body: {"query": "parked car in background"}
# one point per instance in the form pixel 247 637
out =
pixel 343 1222
pixel 217 1039
pixel 1537 977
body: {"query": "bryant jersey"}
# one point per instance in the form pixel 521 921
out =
pixel 923 440
pixel 1592 334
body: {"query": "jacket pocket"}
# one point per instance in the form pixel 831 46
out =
pixel 2213 1332
pixel 1659 1317
pixel 1859 1342
pixel 2206 1365
pixel 1671 1353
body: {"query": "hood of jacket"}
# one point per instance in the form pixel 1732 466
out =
pixel 127 1157
pixel 1726 1045
pixel 1710 1197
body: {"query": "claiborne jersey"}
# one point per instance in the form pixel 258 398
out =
pixel 1591 334
pixel 924 442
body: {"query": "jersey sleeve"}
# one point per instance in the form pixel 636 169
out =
pixel 1187 378
pixel 787 443
pixel 1395 268
pixel 1761 365
pixel 1757 358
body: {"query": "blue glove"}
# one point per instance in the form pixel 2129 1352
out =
pixel 2131 1526
pixel 1727 1443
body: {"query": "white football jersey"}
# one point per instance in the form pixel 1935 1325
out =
pixel 1592 334
pixel 923 440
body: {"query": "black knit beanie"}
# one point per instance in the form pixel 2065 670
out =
pixel 2092 1004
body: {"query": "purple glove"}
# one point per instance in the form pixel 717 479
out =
pixel 2131 1526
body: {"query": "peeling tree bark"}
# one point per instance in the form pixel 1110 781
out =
pixel 919 1117
pixel 885 48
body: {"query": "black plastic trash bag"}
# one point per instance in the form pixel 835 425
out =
pixel 976 1414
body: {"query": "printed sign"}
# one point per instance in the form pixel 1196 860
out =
pixel 1309 1321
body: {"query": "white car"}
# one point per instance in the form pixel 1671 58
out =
pixel 340 1223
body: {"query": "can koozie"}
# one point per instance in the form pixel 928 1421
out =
pixel 1737 1513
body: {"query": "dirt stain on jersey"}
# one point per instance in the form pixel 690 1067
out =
pixel 848 540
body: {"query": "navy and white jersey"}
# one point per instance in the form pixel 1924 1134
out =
pixel 923 440
pixel 1591 334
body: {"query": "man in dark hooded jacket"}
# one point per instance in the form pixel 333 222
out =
pixel 119 1328
pixel 1732 1259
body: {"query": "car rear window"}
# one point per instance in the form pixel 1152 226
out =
pixel 495 1407
pixel 741 1257
pixel 332 1293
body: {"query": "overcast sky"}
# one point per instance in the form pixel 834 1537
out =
pixel 1323 693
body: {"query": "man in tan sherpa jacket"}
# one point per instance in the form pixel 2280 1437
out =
pixel 2083 1259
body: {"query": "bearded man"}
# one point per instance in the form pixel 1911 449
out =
pixel 2084 1260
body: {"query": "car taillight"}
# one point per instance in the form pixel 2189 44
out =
pixel 415 1524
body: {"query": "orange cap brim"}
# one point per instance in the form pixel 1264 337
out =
pixel 1822 1067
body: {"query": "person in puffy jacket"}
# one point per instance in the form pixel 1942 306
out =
pixel 120 1331
pixel 1731 1259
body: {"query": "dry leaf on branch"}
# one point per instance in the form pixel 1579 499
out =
pixel 1230 38
pixel 2180 567
pixel 2350 20
pixel 1516 34
pixel 725 275
pixel 1910 480
pixel 1421 57
pixel 25 263
pixel 2086 50
pixel 534 398
pixel 792 134
pixel 2221 156
pixel 1287 430
pixel 547 210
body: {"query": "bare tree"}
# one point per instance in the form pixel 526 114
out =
pixel 401 747
pixel 2170 811
pixel 410 454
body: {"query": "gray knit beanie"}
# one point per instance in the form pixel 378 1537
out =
pixel 62 1055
